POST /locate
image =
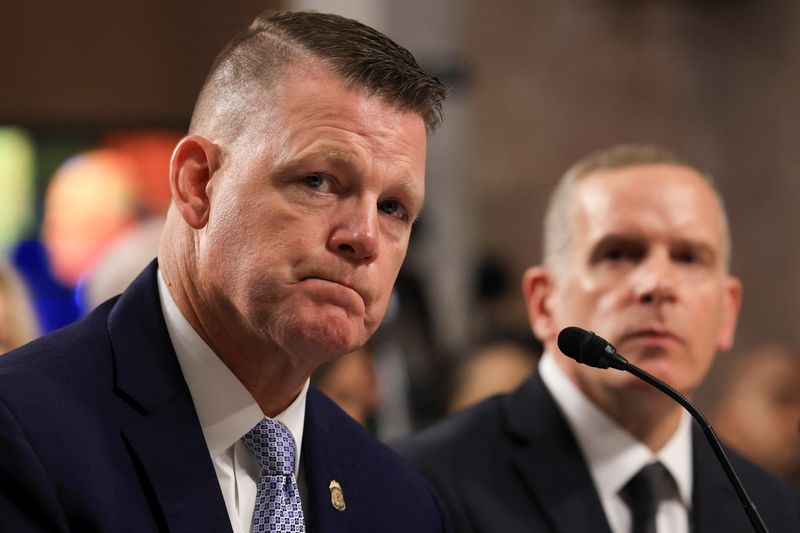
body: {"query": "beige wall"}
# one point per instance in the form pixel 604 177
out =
pixel 101 61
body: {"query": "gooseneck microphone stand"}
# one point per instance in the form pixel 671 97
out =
pixel 592 350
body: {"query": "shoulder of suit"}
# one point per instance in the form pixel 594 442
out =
pixel 762 481
pixel 48 350
pixel 464 432
pixel 777 500
pixel 384 477
pixel 349 438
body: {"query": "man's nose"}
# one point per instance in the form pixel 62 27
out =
pixel 655 279
pixel 356 233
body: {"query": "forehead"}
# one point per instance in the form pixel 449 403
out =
pixel 651 201
pixel 311 99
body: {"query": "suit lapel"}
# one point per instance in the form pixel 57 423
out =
pixel 552 465
pixel 325 458
pixel 166 441
pixel 172 453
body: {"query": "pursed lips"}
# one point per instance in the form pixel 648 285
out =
pixel 348 285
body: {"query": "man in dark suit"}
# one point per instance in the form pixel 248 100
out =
pixel 636 248
pixel 184 404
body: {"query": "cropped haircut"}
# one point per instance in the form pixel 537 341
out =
pixel 559 219
pixel 255 60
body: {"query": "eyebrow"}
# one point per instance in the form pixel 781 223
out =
pixel 327 156
pixel 340 159
pixel 702 248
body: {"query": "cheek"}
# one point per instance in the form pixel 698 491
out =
pixel 707 318
pixel 255 232
pixel 377 308
pixel 583 303
pixel 384 282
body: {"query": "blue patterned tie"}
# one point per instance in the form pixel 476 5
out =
pixel 278 508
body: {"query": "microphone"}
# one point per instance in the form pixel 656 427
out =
pixel 592 350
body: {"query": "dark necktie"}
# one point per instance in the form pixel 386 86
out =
pixel 643 492
pixel 278 507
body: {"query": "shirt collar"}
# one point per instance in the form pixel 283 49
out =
pixel 613 454
pixel 225 408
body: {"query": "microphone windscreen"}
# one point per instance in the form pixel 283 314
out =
pixel 570 339
pixel 583 346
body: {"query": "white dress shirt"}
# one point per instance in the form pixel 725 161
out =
pixel 227 411
pixel 614 455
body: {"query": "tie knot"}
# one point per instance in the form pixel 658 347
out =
pixel 273 445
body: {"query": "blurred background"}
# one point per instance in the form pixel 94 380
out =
pixel 95 94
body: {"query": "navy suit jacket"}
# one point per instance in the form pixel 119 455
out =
pixel 98 432
pixel 512 465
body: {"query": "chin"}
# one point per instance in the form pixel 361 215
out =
pixel 316 332
pixel 660 368
pixel 329 339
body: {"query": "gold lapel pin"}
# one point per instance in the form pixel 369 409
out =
pixel 337 496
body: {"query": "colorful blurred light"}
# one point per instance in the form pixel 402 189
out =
pixel 16 184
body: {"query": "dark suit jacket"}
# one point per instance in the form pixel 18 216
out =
pixel 512 465
pixel 98 432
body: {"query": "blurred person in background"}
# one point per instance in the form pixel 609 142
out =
pixel 17 319
pixel 636 248
pixel 351 382
pixel 121 261
pixel 91 200
pixel 755 407
pixel 103 210
pixel 495 366
pixel 147 155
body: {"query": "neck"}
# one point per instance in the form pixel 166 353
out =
pixel 273 377
pixel 648 415
pixel 651 423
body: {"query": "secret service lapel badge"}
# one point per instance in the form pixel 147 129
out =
pixel 337 496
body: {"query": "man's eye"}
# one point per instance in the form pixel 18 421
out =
pixel 392 208
pixel 622 254
pixel 315 181
pixel 616 254
pixel 686 257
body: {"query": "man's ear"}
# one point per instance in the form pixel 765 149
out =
pixel 731 304
pixel 194 161
pixel 538 288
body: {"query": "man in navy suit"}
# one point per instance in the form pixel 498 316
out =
pixel 636 248
pixel 294 195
